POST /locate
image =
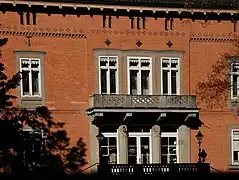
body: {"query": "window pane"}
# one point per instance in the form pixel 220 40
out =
pixel 234 84
pixel 172 141
pixel 133 82
pixel 112 81
pixel 133 63
pixel 145 82
pixel 165 63
pixel 25 82
pixel 164 159
pixel 172 159
pixel 174 82
pixel 103 80
pixel 174 63
pixel 235 156
pixel 164 149
pixel 164 140
pixel 165 82
pixel 25 63
pixel 35 83
pixel 34 63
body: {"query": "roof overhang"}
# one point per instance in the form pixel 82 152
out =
pixel 115 8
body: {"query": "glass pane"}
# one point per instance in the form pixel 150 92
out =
pixel 172 141
pixel 165 63
pixel 164 150
pixel 132 150
pixel 133 82
pixel 133 62
pixel 172 150
pixel 172 159
pixel 174 81
pixel 235 67
pixel 236 145
pixel 145 63
pixel 145 82
pixel 235 156
pixel 165 82
pixel 112 141
pixel 103 80
pixel 35 83
pixel 164 159
pixel 164 140
pixel 34 63
pixel 234 89
pixel 174 63
pixel 104 150
pixel 145 150
pixel 25 63
pixel 112 63
pixel 112 81
pixel 103 63
pixel 104 142
pixel 25 82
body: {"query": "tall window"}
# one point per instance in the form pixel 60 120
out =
pixel 235 147
pixel 31 77
pixel 169 148
pixel 139 76
pixel 235 80
pixel 109 150
pixel 108 81
pixel 170 77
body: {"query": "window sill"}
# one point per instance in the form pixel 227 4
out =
pixel 233 167
pixel 31 98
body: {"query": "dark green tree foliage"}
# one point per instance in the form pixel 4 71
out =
pixel 44 148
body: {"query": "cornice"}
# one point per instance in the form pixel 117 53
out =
pixel 115 7
pixel 37 31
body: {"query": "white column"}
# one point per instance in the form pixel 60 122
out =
pixel 184 144
pixel 122 144
pixel 156 144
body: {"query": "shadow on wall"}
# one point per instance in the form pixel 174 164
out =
pixel 214 91
pixel 31 142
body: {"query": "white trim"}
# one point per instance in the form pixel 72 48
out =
pixel 232 148
pixel 108 74
pixel 178 78
pixel 234 74
pixel 30 76
pixel 144 110
pixel 139 68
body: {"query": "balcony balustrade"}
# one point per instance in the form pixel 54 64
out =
pixel 142 101
pixel 153 169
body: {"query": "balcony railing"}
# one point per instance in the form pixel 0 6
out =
pixel 142 101
pixel 153 169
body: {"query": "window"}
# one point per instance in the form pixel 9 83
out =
pixel 139 76
pixel 235 147
pixel 108 81
pixel 168 24
pixel 28 17
pixel 109 149
pixel 106 21
pixel 31 77
pixel 234 80
pixel 140 22
pixel 169 148
pixel 170 78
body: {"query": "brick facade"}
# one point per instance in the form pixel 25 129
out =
pixel 70 72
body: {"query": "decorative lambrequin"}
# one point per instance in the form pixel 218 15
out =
pixel 120 6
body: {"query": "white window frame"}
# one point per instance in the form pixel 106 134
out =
pixel 139 77
pixel 232 148
pixel 108 74
pixel 234 74
pixel 173 134
pixel 178 79
pixel 30 77
pixel 138 143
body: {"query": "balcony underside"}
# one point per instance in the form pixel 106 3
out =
pixel 143 110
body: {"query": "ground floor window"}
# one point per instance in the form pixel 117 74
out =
pixel 139 148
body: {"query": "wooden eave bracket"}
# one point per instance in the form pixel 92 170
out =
pixel 116 7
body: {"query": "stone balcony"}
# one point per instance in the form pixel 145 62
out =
pixel 142 101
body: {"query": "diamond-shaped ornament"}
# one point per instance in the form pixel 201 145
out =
pixel 107 42
pixel 169 43
pixel 139 43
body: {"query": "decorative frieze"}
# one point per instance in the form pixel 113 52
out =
pixel 9 30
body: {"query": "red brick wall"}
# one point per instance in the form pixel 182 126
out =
pixel 70 71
